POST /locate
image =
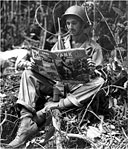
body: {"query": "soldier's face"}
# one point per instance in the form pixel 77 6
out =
pixel 74 25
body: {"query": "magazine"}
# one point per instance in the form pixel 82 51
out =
pixel 67 65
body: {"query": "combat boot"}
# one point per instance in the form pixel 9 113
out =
pixel 40 118
pixel 27 129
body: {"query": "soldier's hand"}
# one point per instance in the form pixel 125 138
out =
pixel 51 105
pixel 31 65
pixel 91 64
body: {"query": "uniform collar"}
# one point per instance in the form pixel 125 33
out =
pixel 67 42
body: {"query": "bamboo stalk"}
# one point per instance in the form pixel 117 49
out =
pixel 4 12
pixel 127 27
pixel 59 36
pixel 16 6
pixel 28 13
pixel 11 9
pixel 57 125
pixel 7 16
pixel 94 22
pixel 17 24
pixel 45 32
pixel 110 6
pixel 19 11
pixel 127 39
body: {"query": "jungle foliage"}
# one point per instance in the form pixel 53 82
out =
pixel 103 122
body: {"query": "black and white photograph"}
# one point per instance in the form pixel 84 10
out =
pixel 64 74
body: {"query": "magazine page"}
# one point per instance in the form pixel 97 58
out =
pixel 71 65
pixel 45 63
pixel 67 65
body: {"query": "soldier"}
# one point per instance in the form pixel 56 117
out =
pixel 34 85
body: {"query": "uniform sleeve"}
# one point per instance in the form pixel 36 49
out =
pixel 58 46
pixel 97 56
pixel 22 60
pixel 55 47
pixel 95 52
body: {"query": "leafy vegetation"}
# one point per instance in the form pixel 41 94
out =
pixel 103 121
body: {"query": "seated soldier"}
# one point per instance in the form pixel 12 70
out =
pixel 34 86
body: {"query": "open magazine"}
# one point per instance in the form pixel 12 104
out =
pixel 67 65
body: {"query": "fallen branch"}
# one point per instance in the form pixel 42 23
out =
pixel 79 136
pixel 10 115
pixel 39 145
pixel 4 120
pixel 57 124
pixel 124 133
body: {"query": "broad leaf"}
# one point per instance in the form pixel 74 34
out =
pixel 118 11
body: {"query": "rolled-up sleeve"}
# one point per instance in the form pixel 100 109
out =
pixel 97 56
pixel 21 60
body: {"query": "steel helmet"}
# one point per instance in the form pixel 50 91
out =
pixel 76 11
